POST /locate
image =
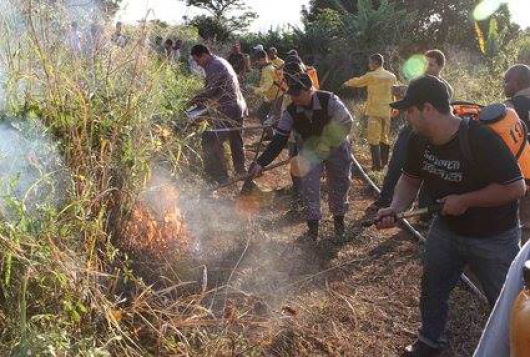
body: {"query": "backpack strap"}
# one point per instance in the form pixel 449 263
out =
pixel 463 140
pixel 525 142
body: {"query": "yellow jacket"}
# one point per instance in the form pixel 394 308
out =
pixel 379 85
pixel 267 87
pixel 278 62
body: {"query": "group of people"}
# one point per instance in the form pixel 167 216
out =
pixel 170 50
pixel 461 165
pixel 92 39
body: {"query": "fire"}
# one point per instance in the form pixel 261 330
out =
pixel 156 224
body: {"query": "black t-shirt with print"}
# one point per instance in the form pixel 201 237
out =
pixel 445 171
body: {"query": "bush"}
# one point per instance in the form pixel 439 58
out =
pixel 109 112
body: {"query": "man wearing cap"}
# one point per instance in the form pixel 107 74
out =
pixel 222 93
pixel 477 225
pixel 379 84
pixel 323 123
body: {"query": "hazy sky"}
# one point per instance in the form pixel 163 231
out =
pixel 272 13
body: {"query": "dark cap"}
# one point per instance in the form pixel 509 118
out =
pixel 293 59
pixel 426 89
pixel 298 83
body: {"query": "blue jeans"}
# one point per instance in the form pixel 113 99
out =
pixel 395 166
pixel 446 255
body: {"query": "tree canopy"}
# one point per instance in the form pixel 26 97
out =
pixel 227 16
pixel 436 22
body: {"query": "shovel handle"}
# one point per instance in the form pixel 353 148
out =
pixel 409 214
pixel 246 177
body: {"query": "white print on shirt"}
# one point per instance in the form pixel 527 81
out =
pixel 447 170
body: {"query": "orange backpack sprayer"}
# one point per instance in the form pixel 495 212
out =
pixel 505 122
pixel 466 109
pixel 312 73
pixel 520 319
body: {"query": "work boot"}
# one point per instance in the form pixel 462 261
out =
pixel 421 349
pixel 385 152
pixel 375 151
pixel 340 229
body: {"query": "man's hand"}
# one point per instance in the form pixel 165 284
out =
pixel 454 205
pixel 385 218
pixel 255 170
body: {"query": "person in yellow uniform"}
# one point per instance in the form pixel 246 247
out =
pixel 379 84
pixel 269 89
pixel 273 57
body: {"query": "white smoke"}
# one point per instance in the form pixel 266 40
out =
pixel 32 173
pixel 2 87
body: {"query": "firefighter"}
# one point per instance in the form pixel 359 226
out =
pixel 268 88
pixel 323 123
pixel 221 91
pixel 379 83
pixel 478 224
pixel 273 57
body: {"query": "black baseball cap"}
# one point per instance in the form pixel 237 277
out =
pixel 425 89
pixel 298 83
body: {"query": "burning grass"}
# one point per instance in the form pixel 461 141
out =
pixel 156 226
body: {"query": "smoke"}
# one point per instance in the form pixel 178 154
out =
pixel 32 173
pixel 83 11
pixel 2 86
pixel 235 244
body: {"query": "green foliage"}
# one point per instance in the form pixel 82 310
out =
pixel 111 111
pixel 210 28
pixel 524 49
pixel 227 17
pixel 436 23
pixel 372 29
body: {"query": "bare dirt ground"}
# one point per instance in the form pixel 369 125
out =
pixel 279 298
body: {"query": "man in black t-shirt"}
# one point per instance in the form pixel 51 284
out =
pixel 478 224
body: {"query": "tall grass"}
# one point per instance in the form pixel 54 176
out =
pixel 110 112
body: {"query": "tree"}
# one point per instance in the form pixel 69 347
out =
pixel 232 15
pixel 372 28
pixel 210 28
pixel 436 22
pixel 110 6
pixel 316 7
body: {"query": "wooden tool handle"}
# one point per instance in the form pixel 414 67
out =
pixel 246 177
pixel 404 215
